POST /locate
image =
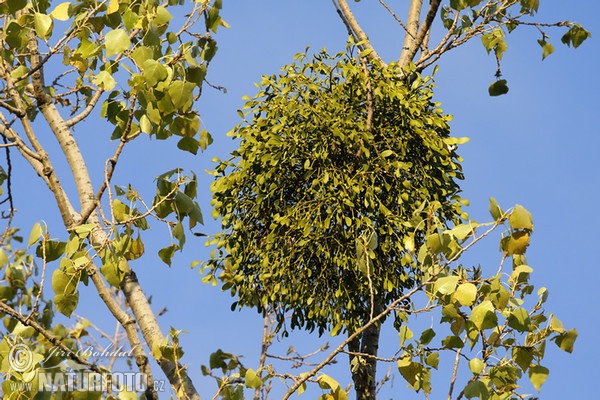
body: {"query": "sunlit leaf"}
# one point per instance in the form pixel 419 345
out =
pixel 61 11
pixel 43 25
pixel 253 381
pixel 547 48
pixel 116 41
pixel 566 340
pixel 483 316
pixel 35 234
pixel 538 375
pixel 465 294
pixel 520 218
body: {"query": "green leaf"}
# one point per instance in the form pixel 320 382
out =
pixel 465 294
pixel 523 356
pixel 141 54
pixel 113 7
pixel 16 36
pixel 253 381
pixel 66 304
pixel 483 316
pixel 495 210
pixel 556 325
pixel 63 283
pixel 520 273
pixel 530 6
pixel 154 72
pixel 446 285
pixel 188 144
pixel 498 88
pixel 462 231
pixel 43 25
pixel 433 360
pixel 166 254
pixel 116 41
pixel 476 389
pixel 427 336
pixel 35 235
pixel 135 249
pixel 520 218
pixel 16 5
pixel 209 50
pixel 519 320
pixel 104 80
pixel 196 74
pixel 453 342
pixel 575 36
pixel 566 340
pixel 181 94
pixel 416 375
pixel 53 250
pixel 205 139
pixel 458 4
pixel 327 382
pixel 516 243
pixel 476 366
pixel 163 16
pixel 547 48
pixel 121 211
pixel 538 375
pixel 405 334
pixel 113 273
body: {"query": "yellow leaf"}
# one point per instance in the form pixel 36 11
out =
pixel 61 11
pixel 113 6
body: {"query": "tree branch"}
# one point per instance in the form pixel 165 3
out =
pixel 130 286
pixel 87 110
pixel 348 17
pixel 410 40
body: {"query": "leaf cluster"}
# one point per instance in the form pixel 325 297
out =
pixel 341 172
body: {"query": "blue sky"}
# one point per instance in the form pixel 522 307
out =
pixel 536 146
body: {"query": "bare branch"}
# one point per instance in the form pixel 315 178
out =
pixel 393 14
pixel 87 110
pixel 348 17
pixel 412 26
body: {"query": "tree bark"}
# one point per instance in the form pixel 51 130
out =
pixel 364 375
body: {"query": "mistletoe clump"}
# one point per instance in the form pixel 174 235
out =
pixel 343 168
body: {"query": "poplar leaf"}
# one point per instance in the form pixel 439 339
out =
pixel 547 48
pixel 43 25
pixel 520 218
pixel 116 41
pixel 105 80
pixel 466 293
pixel 36 233
pixel 476 366
pixel 483 316
pixel 498 88
pixel 113 7
pixel 538 375
pixel 61 11
pixel 253 381
pixel 566 340
pixel 495 210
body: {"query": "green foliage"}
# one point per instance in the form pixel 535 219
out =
pixel 340 174
pixel 164 76
pixel 492 321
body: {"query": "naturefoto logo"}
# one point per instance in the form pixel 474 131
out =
pixel 69 375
